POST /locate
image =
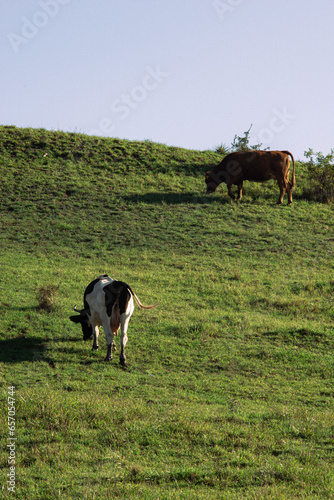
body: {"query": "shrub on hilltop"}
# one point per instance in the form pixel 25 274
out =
pixel 320 172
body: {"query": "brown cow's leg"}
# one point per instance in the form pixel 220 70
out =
pixel 289 193
pixel 231 195
pixel 240 186
pixel 282 188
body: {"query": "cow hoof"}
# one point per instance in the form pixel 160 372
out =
pixel 95 348
pixel 107 358
pixel 122 362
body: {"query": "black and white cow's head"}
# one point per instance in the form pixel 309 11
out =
pixel 83 319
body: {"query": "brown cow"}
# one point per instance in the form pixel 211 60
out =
pixel 257 166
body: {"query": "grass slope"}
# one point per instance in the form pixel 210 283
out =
pixel 229 388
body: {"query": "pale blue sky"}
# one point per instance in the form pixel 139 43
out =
pixel 189 73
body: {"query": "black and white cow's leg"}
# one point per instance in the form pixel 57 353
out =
pixel 110 346
pixel 95 337
pixel 122 357
pixel 109 335
pixel 109 353
pixel 125 318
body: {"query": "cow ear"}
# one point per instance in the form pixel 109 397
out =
pixel 76 319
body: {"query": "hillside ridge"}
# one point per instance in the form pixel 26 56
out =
pixel 121 155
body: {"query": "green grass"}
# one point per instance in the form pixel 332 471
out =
pixel 228 392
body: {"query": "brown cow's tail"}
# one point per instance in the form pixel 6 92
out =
pixel 139 303
pixel 292 184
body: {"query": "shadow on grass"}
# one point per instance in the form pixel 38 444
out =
pixel 21 349
pixel 174 198
pixel 250 195
pixel 298 336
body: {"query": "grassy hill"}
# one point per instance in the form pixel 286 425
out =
pixel 229 388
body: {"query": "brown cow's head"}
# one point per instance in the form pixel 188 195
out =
pixel 211 183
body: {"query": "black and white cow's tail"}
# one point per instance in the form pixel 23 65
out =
pixel 138 301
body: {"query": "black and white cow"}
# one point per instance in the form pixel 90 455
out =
pixel 107 303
